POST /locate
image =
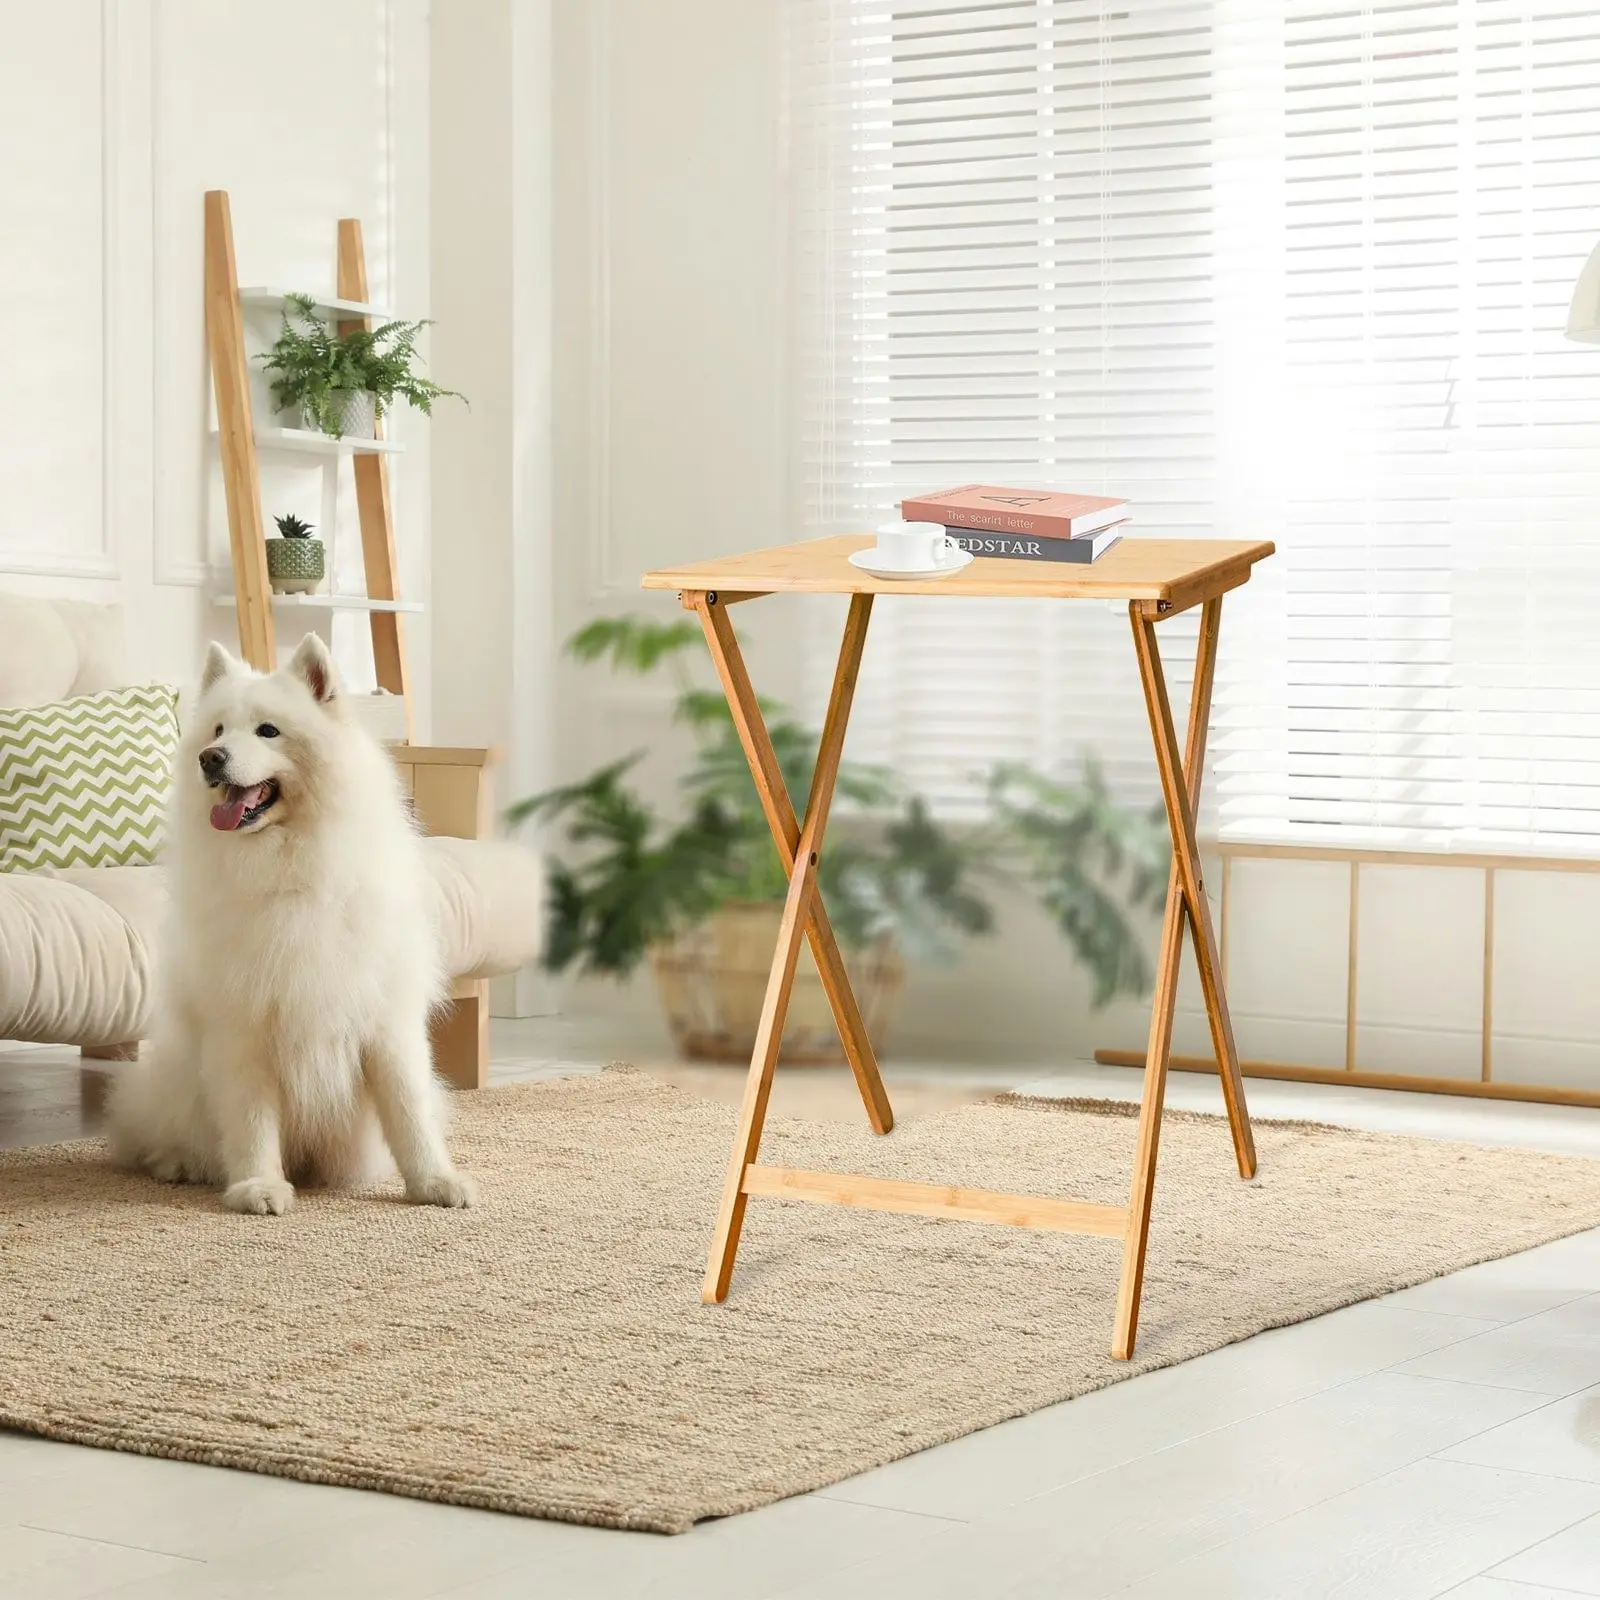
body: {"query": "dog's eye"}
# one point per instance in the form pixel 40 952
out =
pixel 266 731
pixel 218 733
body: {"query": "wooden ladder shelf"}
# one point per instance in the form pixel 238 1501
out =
pixel 449 787
pixel 241 473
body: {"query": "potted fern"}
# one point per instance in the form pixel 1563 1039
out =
pixel 699 894
pixel 296 563
pixel 341 383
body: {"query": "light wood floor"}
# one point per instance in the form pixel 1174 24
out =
pixel 1442 1441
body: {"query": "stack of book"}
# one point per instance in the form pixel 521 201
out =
pixel 1023 524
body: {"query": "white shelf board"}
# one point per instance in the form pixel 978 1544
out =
pixel 329 602
pixel 259 296
pixel 323 444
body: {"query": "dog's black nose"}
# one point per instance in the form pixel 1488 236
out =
pixel 213 760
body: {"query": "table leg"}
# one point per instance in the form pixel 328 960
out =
pixel 1208 957
pixel 729 661
pixel 800 847
pixel 1186 902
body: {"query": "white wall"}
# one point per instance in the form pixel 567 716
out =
pixel 493 611
pixel 670 333
pixel 491 162
pixel 115 117
pixel 607 275
pixel 671 329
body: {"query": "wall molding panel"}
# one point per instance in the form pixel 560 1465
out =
pixel 76 558
pixel 109 474
pixel 604 582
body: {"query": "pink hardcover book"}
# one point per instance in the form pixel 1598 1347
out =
pixel 1037 512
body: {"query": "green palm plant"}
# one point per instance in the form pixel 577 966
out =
pixel 629 878
pixel 1086 858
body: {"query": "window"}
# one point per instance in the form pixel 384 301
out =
pixel 1271 269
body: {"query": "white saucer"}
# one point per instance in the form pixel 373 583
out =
pixel 864 559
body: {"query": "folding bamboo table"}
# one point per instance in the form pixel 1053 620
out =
pixel 1157 578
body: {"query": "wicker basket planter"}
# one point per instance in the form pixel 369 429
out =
pixel 712 980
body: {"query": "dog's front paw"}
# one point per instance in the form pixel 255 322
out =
pixel 443 1189
pixel 259 1197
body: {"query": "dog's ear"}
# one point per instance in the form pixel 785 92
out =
pixel 219 665
pixel 314 667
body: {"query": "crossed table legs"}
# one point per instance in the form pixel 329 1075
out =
pixel 799 845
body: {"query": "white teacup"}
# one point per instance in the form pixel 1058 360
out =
pixel 913 546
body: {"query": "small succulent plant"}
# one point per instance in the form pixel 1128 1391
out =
pixel 292 527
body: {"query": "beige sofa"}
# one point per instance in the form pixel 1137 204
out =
pixel 77 947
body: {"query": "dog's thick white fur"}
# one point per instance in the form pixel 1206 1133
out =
pixel 301 958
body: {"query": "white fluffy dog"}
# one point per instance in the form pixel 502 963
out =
pixel 301 958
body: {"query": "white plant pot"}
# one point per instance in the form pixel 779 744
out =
pixel 354 414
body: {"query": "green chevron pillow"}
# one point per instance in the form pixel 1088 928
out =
pixel 83 781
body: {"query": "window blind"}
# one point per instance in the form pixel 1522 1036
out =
pixel 1004 276
pixel 1294 270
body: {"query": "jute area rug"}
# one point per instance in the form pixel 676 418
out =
pixel 548 1354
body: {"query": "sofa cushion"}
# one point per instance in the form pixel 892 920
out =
pixel 137 894
pixel 73 968
pixel 491 905
pixel 83 781
pixel 52 649
pixel 78 946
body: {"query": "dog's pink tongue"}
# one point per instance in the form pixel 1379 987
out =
pixel 230 813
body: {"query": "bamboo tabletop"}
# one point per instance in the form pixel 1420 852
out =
pixel 1169 572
